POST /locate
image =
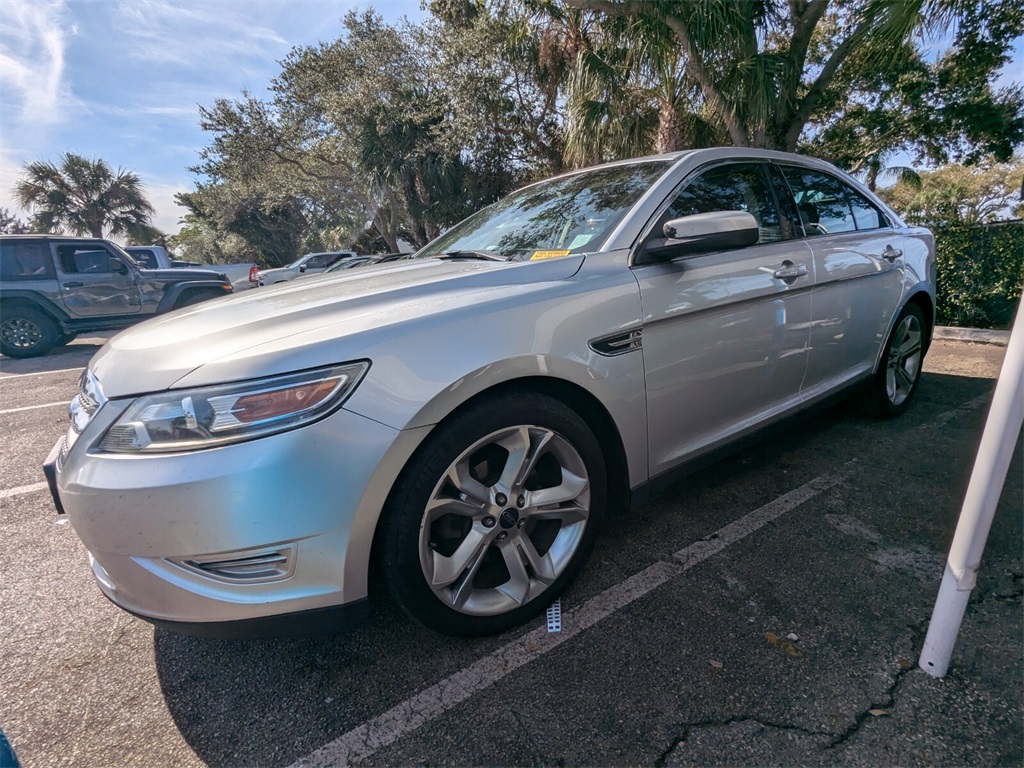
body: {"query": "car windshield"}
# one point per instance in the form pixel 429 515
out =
pixel 568 214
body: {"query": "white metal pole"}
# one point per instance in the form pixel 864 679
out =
pixel 998 441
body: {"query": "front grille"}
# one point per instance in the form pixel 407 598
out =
pixel 250 566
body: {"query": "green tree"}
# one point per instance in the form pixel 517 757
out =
pixel 85 197
pixel 774 73
pixel 959 195
pixel 11 224
pixel 359 135
pixel 935 109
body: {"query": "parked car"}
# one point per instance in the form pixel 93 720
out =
pixel 52 288
pixel 156 257
pixel 467 417
pixel 364 261
pixel 310 264
pixel 242 276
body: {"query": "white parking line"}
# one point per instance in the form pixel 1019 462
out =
pixel 22 489
pixel 364 740
pixel 39 373
pixel 33 407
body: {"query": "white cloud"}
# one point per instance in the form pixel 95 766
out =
pixel 168 212
pixel 195 36
pixel 32 44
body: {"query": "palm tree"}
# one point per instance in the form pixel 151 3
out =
pixel 85 197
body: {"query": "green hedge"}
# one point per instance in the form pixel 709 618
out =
pixel 980 273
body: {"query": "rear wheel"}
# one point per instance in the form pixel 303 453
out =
pixel 494 516
pixel 27 332
pixel 891 389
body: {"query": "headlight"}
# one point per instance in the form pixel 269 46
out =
pixel 192 419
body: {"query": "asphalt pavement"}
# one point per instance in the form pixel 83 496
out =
pixel 768 610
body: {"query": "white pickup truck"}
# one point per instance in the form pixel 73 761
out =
pixel 241 276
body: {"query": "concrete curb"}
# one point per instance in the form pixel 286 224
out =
pixel 974 335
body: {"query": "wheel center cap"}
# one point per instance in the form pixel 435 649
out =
pixel 509 518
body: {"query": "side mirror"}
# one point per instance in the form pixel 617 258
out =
pixel 116 265
pixel 704 233
pixel 302 267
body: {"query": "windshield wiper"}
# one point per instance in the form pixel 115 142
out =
pixel 483 255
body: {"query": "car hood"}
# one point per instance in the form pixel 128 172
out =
pixel 331 318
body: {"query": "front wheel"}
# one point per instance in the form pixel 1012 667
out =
pixel 27 332
pixel 890 390
pixel 199 296
pixel 494 516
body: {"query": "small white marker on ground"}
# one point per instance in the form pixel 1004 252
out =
pixel 555 616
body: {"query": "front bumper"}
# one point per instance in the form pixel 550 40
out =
pixel 237 539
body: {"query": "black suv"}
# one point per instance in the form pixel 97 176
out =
pixel 52 288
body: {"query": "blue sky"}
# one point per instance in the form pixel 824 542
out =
pixel 121 80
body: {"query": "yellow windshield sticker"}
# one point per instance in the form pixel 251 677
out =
pixel 548 255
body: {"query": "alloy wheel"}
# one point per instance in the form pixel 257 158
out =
pixel 904 362
pixel 504 520
pixel 20 333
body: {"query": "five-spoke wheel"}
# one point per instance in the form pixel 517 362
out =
pixel 494 515
pixel 889 392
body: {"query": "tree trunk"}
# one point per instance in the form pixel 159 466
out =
pixel 671 135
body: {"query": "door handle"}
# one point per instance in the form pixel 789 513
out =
pixel 73 285
pixel 891 254
pixel 790 271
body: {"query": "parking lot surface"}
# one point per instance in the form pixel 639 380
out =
pixel 768 610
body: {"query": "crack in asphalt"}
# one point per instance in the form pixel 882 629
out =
pixel 888 702
pixel 862 717
pixel 688 728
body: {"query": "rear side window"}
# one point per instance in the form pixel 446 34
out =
pixel 827 206
pixel 24 261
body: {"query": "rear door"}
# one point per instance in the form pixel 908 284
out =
pixel 725 334
pixel 858 276
pixel 95 281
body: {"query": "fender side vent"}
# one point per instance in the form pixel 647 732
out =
pixel 618 343
pixel 265 565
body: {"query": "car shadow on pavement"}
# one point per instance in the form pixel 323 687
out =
pixel 271 702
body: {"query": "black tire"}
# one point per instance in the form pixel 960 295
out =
pixel 197 297
pixel 492 525
pixel 67 338
pixel 888 393
pixel 27 332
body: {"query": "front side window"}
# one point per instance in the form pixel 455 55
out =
pixel 83 260
pixel 568 214
pixel 321 260
pixel 735 187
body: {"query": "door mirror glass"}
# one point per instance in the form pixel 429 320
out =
pixel 118 266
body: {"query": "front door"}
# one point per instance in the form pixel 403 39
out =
pixel 725 334
pixel 94 281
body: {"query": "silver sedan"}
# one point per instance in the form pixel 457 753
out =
pixel 467 416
